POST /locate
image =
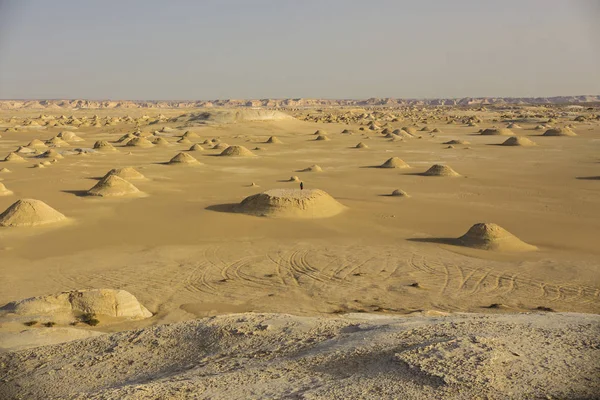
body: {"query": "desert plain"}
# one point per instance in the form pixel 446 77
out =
pixel 369 282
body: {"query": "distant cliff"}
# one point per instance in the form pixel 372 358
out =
pixel 289 103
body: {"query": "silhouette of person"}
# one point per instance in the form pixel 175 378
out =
pixel 301 185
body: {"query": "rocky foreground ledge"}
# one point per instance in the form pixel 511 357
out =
pixel 547 355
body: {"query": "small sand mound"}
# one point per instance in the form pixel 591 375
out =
pixel 127 173
pixel 410 130
pixel 440 170
pixel 457 141
pixel 437 130
pixel 5 170
pixel 14 157
pixel 103 145
pixel 38 165
pixel 51 154
pixel 4 191
pixel 394 162
pixel 184 140
pixel 237 151
pixel 322 137
pixel 399 193
pixel 559 132
pixel 294 179
pixel 183 158
pixel 25 150
pixel 113 186
pixel 161 142
pixel 361 145
pixel 291 203
pixel 319 132
pixel 190 135
pixel 99 302
pixel 220 146
pixel 497 131
pixel 37 143
pixel 312 168
pixel 30 212
pixel 488 236
pixel 274 140
pixel 196 147
pixel 519 141
pixel 139 142
pixel 69 136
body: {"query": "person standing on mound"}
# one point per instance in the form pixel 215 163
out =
pixel 301 185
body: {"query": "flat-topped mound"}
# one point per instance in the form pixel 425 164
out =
pixel 127 173
pixel 441 170
pixel 498 131
pixel 30 212
pixel 519 141
pixel 113 186
pixel 103 145
pixel 291 203
pixel 237 151
pixel 107 302
pixel 560 132
pixel 489 236
pixel 394 162
pixel 183 158
pixel 235 115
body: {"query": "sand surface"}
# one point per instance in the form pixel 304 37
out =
pixel 182 253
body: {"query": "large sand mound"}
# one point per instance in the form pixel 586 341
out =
pixel 107 302
pixel 127 173
pixel 113 186
pixel 498 131
pixel 237 151
pixel 394 162
pixel 356 356
pixel 293 203
pixel 519 141
pixel 440 170
pixel 488 236
pixel 559 132
pixel 183 158
pixel 30 212
pixel 233 116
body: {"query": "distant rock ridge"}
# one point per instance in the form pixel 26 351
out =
pixel 288 103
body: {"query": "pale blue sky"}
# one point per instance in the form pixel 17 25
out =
pixel 148 49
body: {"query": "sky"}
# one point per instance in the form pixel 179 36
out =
pixel 220 49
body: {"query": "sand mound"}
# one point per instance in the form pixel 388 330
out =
pixel 184 140
pixel 220 146
pixel 126 138
pixel 292 203
pixel 37 143
pixel 512 125
pixel 560 132
pixel 139 142
pixel 25 150
pixel 440 170
pixel 196 147
pixel 394 162
pixel 294 179
pixel 127 173
pixel 498 131
pixel 488 236
pixel 14 157
pixel 190 135
pixel 518 141
pixel 361 145
pixel 274 140
pixel 103 145
pixel 161 142
pixel 437 130
pixel 51 153
pixel 457 141
pixel 399 193
pixel 183 158
pixel 30 212
pixel 5 170
pixel 113 186
pixel 320 132
pixel 69 136
pixel 237 151
pixel 322 137
pixel 99 302
pixel 410 130
pixel 4 191
pixel 312 168
pixel 401 133
pixel 234 116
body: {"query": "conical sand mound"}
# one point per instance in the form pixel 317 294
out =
pixel 183 158
pixel 402 134
pixel 518 141
pixel 51 154
pixel 274 140
pixel 184 140
pixel 103 145
pixel 394 162
pixel 361 145
pixel 220 146
pixel 456 141
pixel 322 137
pixel 291 203
pixel 560 132
pixel 237 151
pixel 127 173
pixel 488 236
pixel 30 212
pixel 498 131
pixel 5 170
pixel 113 186
pixel 139 142
pixel 440 170
pixel 14 157
pixel 410 130
pixel 4 191
pixel 196 147
pixel 161 142
pixel 37 143
pixel 312 168
pixel 190 135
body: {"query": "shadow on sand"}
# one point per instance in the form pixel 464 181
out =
pixel 224 208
